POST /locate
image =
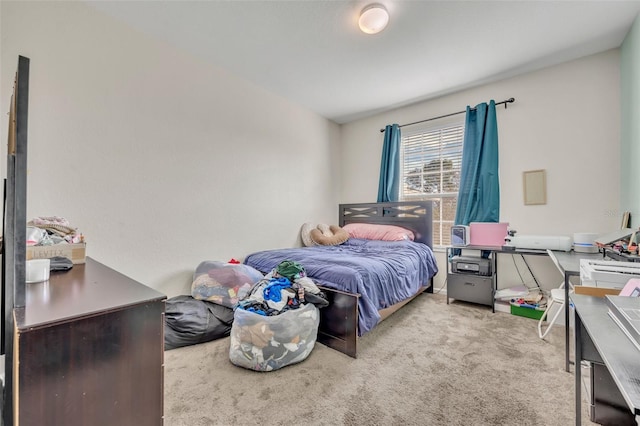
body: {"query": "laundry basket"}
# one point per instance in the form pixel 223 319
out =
pixel 267 343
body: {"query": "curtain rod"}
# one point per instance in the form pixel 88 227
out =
pixel 505 102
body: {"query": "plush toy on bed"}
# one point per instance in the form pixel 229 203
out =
pixel 322 235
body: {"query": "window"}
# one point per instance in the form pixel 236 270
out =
pixel 430 170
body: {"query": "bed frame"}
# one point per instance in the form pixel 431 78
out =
pixel 339 321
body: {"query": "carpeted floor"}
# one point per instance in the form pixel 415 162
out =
pixel 428 364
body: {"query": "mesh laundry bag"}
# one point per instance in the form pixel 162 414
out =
pixel 267 343
pixel 223 283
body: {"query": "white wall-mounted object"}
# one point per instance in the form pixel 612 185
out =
pixel 534 187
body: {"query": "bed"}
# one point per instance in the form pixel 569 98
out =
pixel 365 281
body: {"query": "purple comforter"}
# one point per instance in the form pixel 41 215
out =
pixel 382 272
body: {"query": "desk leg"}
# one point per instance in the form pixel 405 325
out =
pixel 578 370
pixel 566 321
pixel 494 285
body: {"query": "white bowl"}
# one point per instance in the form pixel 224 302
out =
pixel 37 270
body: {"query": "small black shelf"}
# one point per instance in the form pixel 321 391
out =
pixel 471 287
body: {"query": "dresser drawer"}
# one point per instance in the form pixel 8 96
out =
pixel 470 288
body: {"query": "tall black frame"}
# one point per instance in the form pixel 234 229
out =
pixel 14 227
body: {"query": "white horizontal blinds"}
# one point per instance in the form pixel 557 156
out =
pixel 431 161
pixel 430 170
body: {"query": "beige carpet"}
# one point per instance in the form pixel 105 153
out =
pixel 428 364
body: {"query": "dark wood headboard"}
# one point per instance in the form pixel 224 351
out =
pixel 414 215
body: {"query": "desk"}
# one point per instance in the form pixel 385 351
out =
pixel 478 287
pixel 600 340
pixel 569 262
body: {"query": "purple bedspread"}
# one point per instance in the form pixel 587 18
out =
pixel 382 272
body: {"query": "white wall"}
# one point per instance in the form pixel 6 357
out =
pixel 162 161
pixel 566 120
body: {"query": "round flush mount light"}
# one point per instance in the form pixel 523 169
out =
pixel 373 19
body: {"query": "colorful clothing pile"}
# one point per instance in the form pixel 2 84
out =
pixel 50 230
pixel 276 324
pixel 223 283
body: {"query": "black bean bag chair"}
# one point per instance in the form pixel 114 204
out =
pixel 189 321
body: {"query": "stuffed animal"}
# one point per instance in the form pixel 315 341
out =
pixel 323 235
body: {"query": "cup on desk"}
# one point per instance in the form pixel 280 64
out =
pixel 37 270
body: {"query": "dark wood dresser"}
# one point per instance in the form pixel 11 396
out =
pixel 89 350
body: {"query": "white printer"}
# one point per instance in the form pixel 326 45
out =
pixel 607 273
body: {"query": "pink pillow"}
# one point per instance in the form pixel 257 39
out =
pixel 371 231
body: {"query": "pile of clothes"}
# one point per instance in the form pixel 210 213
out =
pixel 50 230
pixel 276 323
pixel 286 287
pixel 223 283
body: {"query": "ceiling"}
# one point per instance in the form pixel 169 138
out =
pixel 311 51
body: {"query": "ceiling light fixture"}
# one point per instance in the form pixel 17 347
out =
pixel 373 19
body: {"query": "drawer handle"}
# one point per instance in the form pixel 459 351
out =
pixel 467 283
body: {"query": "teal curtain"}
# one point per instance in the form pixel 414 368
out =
pixel 479 192
pixel 389 184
